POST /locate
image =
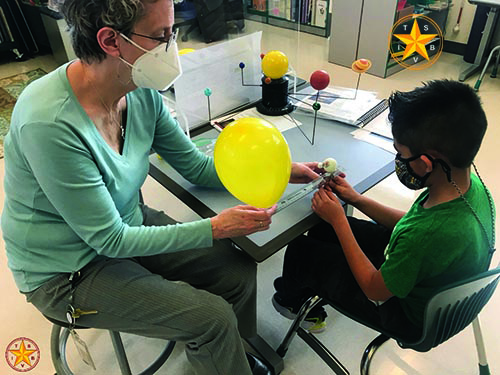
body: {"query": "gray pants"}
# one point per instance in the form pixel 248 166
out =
pixel 209 312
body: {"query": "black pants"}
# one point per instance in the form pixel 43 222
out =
pixel 315 265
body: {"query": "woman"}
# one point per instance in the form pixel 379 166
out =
pixel 75 159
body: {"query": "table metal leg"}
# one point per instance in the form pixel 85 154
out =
pixel 470 69
pixel 266 353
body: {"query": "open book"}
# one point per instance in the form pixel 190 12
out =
pixel 334 105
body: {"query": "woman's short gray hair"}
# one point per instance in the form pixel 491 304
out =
pixel 86 17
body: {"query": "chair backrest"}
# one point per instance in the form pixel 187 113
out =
pixel 454 307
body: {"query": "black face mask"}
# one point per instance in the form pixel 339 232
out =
pixel 409 178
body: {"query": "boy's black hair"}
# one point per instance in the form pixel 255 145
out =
pixel 444 116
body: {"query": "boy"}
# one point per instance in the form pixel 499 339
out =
pixel 399 261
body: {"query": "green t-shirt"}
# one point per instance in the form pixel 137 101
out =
pixel 69 197
pixel 432 247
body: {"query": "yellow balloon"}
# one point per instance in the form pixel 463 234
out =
pixel 253 161
pixel 275 64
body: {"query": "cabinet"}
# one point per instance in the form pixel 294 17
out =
pixel 58 34
pixel 311 16
pixel 15 35
pixel 369 37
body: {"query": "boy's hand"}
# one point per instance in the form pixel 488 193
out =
pixel 327 205
pixel 344 190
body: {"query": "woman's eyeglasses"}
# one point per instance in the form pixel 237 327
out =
pixel 171 39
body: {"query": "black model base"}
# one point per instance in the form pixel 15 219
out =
pixel 275 100
pixel 271 111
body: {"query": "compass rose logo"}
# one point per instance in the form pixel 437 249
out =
pixel 22 354
pixel 415 42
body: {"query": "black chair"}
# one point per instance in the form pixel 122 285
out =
pixel 59 339
pixel 448 312
pixel 185 15
pixel 210 17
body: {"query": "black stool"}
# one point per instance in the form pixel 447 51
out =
pixel 59 338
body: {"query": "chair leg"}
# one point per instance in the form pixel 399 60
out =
pixel 58 341
pixel 309 338
pixel 321 350
pixel 192 26
pixel 480 79
pixel 481 351
pixel 370 351
pixel 151 370
pixel 59 338
pixel 121 356
pixel 304 310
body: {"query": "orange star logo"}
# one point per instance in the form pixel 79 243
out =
pixel 22 355
pixel 415 41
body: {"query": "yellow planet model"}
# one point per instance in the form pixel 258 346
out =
pixel 275 64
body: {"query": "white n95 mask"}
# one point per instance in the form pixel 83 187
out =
pixel 156 69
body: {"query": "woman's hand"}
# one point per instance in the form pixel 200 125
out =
pixel 303 173
pixel 327 205
pixel 241 221
pixel 343 190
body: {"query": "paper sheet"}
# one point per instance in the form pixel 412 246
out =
pixel 374 139
pixel 380 125
pixel 217 68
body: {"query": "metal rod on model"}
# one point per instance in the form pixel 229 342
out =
pixel 242 66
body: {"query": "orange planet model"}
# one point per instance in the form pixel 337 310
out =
pixel 361 65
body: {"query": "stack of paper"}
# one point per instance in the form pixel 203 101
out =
pixel 340 104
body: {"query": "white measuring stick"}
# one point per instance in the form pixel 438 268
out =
pixel 305 190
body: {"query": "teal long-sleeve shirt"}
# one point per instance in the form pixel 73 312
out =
pixel 69 197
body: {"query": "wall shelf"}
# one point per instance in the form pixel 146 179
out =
pixel 315 16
